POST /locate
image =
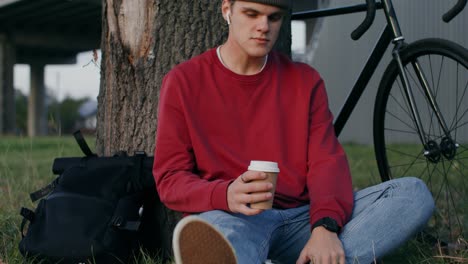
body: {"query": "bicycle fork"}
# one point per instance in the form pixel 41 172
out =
pixel 432 150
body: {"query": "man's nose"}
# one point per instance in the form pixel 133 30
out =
pixel 263 24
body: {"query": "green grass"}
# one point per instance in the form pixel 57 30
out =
pixel 25 166
pixel 363 166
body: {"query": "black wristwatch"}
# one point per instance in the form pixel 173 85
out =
pixel 329 223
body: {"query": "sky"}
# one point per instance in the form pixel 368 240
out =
pixel 82 79
pixel 75 80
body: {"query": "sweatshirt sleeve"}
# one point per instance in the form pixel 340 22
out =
pixel 328 179
pixel 174 169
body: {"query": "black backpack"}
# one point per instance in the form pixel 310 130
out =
pixel 93 211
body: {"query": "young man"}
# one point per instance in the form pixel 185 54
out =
pixel 241 102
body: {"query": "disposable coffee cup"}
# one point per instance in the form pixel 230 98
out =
pixel 271 169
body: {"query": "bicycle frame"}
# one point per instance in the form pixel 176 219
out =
pixel 369 67
pixel 390 34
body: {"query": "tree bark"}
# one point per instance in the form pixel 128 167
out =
pixel 141 41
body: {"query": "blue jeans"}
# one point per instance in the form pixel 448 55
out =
pixel 384 217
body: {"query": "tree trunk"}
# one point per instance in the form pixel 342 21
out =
pixel 141 41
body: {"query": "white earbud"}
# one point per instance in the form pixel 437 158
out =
pixel 228 18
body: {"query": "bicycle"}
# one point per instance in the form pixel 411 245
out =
pixel 408 109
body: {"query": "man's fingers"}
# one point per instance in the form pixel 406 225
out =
pixel 255 197
pixel 244 209
pixel 342 259
pixel 255 187
pixel 249 176
pixel 302 259
pixel 318 259
pixel 247 190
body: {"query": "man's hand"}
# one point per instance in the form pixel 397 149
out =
pixel 323 247
pixel 246 190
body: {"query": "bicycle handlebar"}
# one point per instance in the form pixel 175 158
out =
pixel 454 11
pixel 370 7
pixel 365 25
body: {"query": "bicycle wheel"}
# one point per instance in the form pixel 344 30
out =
pixel 398 148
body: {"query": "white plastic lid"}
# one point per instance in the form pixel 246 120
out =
pixel 260 165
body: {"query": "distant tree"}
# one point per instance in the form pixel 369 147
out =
pixel 64 115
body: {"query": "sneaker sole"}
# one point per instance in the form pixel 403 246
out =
pixel 198 242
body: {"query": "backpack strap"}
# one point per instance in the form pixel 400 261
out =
pixel 121 224
pixel 82 143
pixel 27 215
pixel 43 191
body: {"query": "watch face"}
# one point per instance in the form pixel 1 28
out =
pixel 330 224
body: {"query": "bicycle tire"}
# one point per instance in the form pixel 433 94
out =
pixel 398 147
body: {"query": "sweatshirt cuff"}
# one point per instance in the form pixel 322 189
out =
pixel 219 196
pixel 326 213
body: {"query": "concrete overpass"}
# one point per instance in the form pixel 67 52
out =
pixel 42 32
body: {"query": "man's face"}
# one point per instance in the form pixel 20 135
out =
pixel 254 27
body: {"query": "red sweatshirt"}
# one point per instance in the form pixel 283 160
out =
pixel 212 122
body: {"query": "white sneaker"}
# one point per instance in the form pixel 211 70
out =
pixel 197 242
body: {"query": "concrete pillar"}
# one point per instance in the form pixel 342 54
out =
pixel 311 24
pixel 37 109
pixel 7 91
pixel 310 30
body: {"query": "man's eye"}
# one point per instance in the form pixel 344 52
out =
pixel 251 14
pixel 275 18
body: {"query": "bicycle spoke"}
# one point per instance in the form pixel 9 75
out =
pixel 431 70
pixel 406 154
pixel 464 158
pixel 401 131
pixel 401 107
pixel 450 190
pixel 429 175
pixel 437 89
pixel 429 110
pixel 416 160
pixel 420 89
pixel 408 107
pixel 463 115
pixel 456 109
pixel 464 150
pixel 448 214
pixel 436 197
pixel 408 167
pixel 403 122
pixel 459 104
pixel 450 193
pixel 440 75
pixel 461 125
pixel 460 173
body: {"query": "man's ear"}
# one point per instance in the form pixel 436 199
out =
pixel 226 10
pixel 228 17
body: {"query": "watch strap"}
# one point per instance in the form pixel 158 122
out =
pixel 328 223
